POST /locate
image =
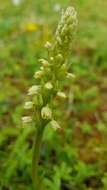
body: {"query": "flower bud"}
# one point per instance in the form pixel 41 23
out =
pixel 64 67
pixel 46 113
pixel 26 119
pixel 48 85
pixel 59 40
pixel 55 125
pixel 66 30
pixel 34 90
pixel 41 68
pixel 52 59
pixel 59 57
pixel 38 74
pixel 61 95
pixel 28 105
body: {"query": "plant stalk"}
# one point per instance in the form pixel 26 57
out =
pixel 35 156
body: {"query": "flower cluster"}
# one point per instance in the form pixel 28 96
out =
pixel 52 72
pixel 66 30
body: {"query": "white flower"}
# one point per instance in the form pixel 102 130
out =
pixel 16 2
pixel 44 62
pixel 57 7
pixel 48 85
pixel 48 45
pixel 61 95
pixel 55 125
pixel 28 105
pixel 35 89
pixel 26 119
pixel 46 113
pixel 70 75
pixel 38 74
pixel 41 68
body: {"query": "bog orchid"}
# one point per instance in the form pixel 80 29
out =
pixel 48 84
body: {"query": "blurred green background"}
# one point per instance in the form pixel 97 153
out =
pixel 76 157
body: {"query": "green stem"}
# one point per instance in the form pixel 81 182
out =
pixel 35 156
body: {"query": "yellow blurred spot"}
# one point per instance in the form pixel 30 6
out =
pixel 31 27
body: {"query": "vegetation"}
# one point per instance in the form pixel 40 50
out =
pixel 74 157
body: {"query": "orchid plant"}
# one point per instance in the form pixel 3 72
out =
pixel 49 84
